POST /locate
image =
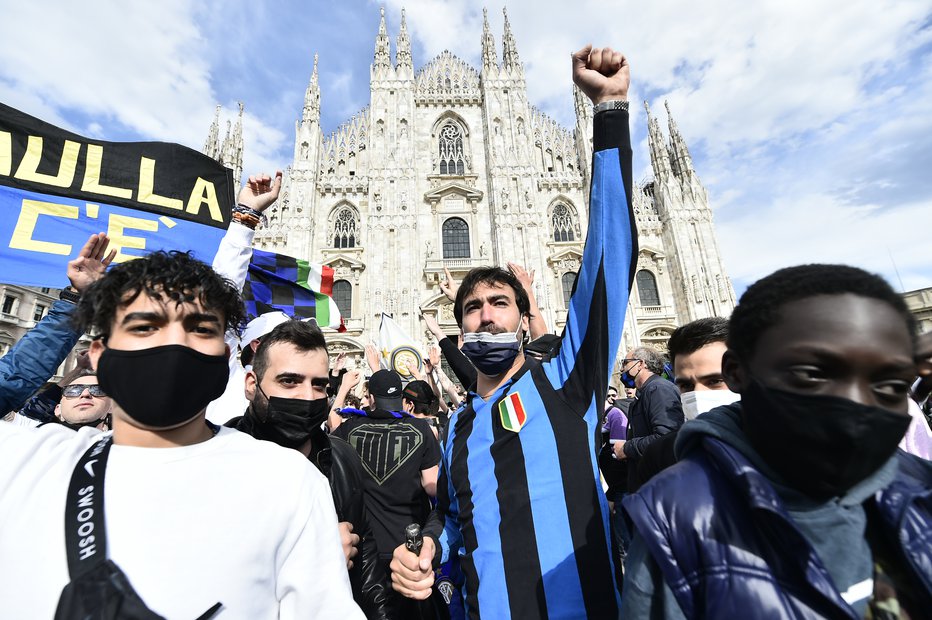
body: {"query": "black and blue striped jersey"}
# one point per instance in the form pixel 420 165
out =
pixel 519 487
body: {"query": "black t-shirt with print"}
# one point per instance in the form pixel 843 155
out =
pixel 393 451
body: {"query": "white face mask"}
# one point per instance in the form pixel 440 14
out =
pixel 695 403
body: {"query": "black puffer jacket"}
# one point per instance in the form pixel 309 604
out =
pixel 337 460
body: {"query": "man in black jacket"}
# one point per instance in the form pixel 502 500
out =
pixel 287 392
pixel 657 411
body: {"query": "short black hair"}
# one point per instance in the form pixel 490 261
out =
pixel 171 276
pixel 304 335
pixel 490 276
pixel 691 337
pixel 759 306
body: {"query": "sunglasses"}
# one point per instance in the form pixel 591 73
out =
pixel 73 391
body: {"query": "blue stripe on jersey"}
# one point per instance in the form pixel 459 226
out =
pixel 487 558
pixel 562 588
pixel 609 218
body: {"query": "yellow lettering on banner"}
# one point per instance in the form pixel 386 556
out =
pixel 26 226
pixel 6 153
pixel 95 154
pixel 29 166
pixel 146 187
pixel 203 193
pixel 119 240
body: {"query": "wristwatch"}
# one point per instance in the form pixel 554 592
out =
pixel 69 294
pixel 610 105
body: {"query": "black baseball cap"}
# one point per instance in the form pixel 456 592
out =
pixel 419 392
pixel 385 387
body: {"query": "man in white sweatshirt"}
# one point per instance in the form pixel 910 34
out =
pixel 195 514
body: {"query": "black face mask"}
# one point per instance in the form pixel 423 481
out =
pixel 289 422
pixel 162 387
pixel 76 426
pixel 821 445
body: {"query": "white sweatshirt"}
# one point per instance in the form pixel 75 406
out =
pixel 232 519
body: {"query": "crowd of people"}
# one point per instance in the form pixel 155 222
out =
pixel 776 465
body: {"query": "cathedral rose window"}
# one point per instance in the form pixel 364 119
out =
pixel 564 229
pixel 344 229
pixel 452 157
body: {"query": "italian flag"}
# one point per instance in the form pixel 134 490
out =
pixel 512 412
pixel 298 288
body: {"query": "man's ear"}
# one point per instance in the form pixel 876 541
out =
pixel 254 344
pixel 58 411
pixel 251 382
pixel 733 371
pixel 95 350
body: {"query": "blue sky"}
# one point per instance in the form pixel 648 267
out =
pixel 809 122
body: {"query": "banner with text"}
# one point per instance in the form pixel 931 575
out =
pixel 58 188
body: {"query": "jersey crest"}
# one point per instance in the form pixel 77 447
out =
pixel 511 410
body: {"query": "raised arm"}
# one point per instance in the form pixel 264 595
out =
pixel 38 354
pixel 597 309
pixel 537 325
pixel 235 250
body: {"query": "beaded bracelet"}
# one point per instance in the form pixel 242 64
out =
pixel 249 221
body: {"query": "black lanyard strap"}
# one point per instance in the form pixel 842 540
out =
pixel 85 531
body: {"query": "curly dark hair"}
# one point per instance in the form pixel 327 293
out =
pixel 490 276
pixel 174 276
pixel 759 306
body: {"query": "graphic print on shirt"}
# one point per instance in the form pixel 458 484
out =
pixel 383 451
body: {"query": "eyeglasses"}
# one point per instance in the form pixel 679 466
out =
pixel 76 389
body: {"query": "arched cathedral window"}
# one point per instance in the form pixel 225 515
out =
pixel 647 288
pixel 452 155
pixel 343 297
pixel 344 229
pixel 455 238
pixel 569 281
pixel 564 227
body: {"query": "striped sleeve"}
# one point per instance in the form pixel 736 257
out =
pixel 581 368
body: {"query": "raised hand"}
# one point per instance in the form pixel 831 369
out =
pixel 433 326
pixel 90 263
pixel 449 285
pixel 433 356
pixel 339 363
pixel 525 277
pixel 602 73
pixel 260 191
pixel 373 357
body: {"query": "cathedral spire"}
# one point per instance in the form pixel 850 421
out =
pixel 403 46
pixel 212 144
pixel 659 157
pixel 311 111
pixel 489 55
pixel 510 58
pixel 684 162
pixel 383 55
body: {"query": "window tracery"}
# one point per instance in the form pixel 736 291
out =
pixel 563 223
pixel 452 155
pixel 344 229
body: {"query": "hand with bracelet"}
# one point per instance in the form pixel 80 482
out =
pixel 257 195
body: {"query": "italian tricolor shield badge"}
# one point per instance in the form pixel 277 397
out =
pixel 512 411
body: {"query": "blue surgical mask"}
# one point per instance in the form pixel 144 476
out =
pixel 628 379
pixel 492 354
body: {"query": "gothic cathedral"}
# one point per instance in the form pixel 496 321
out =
pixel 450 166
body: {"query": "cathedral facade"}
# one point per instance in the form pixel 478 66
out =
pixel 451 166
